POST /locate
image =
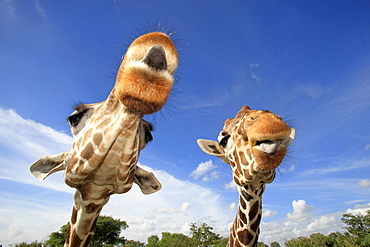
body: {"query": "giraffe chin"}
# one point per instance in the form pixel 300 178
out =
pixel 266 161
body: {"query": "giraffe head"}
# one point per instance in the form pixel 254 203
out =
pixel 254 143
pixel 145 77
pixel 109 135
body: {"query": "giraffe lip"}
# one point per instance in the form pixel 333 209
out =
pixel 268 146
pixel 272 146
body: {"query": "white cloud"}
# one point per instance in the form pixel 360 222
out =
pixel 367 147
pixel 254 65
pixel 322 223
pixel 184 206
pixel 269 214
pixel 301 222
pixel 204 170
pixel 169 209
pixel 232 206
pixel 300 210
pixel 359 209
pixel 230 186
pixel 364 183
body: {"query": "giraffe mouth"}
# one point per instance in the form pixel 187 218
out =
pixel 270 147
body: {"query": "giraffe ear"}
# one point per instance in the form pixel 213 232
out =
pixel 48 164
pixel 212 148
pixel 147 182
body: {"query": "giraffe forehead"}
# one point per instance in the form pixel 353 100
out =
pixel 257 124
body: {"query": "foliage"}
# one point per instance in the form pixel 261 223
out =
pixel 358 227
pixel 57 239
pixel 132 243
pixel 24 244
pixel 275 244
pixel 152 241
pixel 223 243
pixel 171 240
pixel 204 235
pixel 107 233
pixel 261 244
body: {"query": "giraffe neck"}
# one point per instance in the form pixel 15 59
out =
pixel 245 229
pixel 82 225
pixel 113 157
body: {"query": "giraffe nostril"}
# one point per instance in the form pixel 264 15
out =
pixel 156 58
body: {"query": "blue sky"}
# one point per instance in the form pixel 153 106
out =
pixel 307 61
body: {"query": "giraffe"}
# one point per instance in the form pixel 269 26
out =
pixel 254 143
pixel 108 136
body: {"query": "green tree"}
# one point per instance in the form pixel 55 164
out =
pixel 57 239
pixel 24 244
pixel 175 240
pixel 320 240
pixel 358 228
pixel 262 244
pixel 223 242
pixel 275 244
pixel 152 241
pixel 204 235
pixel 133 243
pixel 107 233
pixel 298 242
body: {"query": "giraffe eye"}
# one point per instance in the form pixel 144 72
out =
pixel 75 118
pixel 224 140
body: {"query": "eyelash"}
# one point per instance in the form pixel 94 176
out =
pixel 75 119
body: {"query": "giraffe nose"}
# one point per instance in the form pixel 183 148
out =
pixel 156 58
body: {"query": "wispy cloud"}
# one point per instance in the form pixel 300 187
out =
pixel 25 141
pixel 253 74
pixel 41 11
pixel 339 166
pixel 313 90
pixel 8 10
